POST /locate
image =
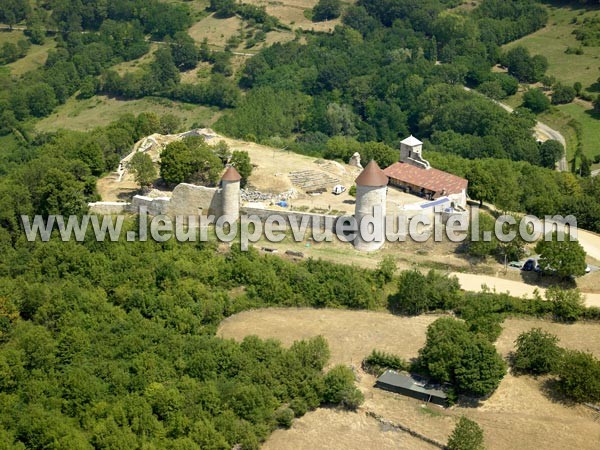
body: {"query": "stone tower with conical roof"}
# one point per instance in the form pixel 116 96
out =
pixel 230 194
pixel 371 192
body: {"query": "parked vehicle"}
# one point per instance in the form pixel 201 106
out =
pixel 529 265
pixel 339 189
pixel 516 264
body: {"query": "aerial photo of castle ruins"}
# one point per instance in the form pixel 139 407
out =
pixel 299 224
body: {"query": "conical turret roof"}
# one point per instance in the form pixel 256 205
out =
pixel 231 175
pixel 372 175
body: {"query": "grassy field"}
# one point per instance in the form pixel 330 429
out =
pixel 133 65
pixel 36 55
pixel 591 127
pixel 553 40
pixel 100 110
pixel 519 415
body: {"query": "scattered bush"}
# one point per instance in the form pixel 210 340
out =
pixel 468 361
pixel 579 376
pixel 377 362
pixel 340 389
pixel 467 435
pixel 536 100
pixel 284 417
pixel 537 352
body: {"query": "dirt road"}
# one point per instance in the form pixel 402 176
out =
pixel 542 131
pixel 472 282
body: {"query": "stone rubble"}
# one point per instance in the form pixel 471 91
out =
pixel 249 195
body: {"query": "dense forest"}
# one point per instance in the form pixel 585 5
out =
pixel 112 345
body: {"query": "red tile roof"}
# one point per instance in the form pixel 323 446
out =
pixel 231 175
pixel 431 179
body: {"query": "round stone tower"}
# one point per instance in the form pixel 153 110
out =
pixel 230 194
pixel 371 194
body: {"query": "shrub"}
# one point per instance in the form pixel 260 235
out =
pixel 418 293
pixel 299 406
pixel 567 306
pixel 453 354
pixel 536 100
pixel 339 388
pixel 579 376
pixel 284 417
pixel 378 361
pixel 326 10
pixel 537 352
pixel 467 435
pixel 563 94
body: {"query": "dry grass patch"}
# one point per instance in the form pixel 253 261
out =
pixel 97 111
pixel 217 31
pixel 333 429
pixel 36 55
pixel 519 415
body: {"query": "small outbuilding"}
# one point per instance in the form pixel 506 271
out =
pixel 411 386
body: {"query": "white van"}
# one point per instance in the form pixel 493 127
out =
pixel 338 189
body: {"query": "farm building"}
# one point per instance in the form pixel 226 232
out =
pixel 406 384
pixel 415 175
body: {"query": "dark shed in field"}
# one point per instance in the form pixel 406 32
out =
pixel 406 384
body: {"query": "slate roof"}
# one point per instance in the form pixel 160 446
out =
pixel 406 381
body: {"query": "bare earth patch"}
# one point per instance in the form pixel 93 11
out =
pixel 519 415
pixel 333 429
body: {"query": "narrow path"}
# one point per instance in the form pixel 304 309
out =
pixel 473 282
pixel 542 131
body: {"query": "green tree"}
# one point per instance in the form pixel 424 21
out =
pixel 523 66
pixel 579 376
pixel 339 385
pixel 567 305
pixel 564 257
pixel 386 268
pixel 412 296
pixel 169 124
pixel 223 152
pixel 189 162
pixel 326 10
pixel 467 435
pixel 550 152
pixel 41 99
pixel 563 94
pixel 143 169
pixel 163 70
pixel 184 51
pixel 537 352
pixel 481 368
pixel 481 184
pixel 241 161
pixel 453 354
pixel 14 11
pixel 418 293
pixel 223 8
pixel 486 243
pixel 536 100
